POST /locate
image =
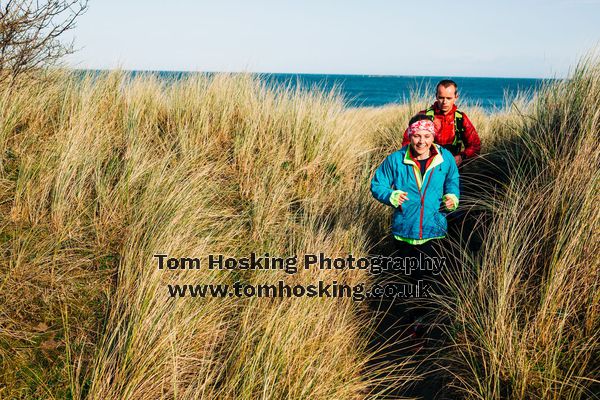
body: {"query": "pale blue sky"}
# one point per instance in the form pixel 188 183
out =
pixel 527 38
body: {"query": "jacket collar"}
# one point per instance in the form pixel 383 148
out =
pixel 434 162
pixel 435 153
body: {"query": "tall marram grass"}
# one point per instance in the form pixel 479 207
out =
pixel 99 174
pixel 525 316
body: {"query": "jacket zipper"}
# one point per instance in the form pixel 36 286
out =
pixel 423 200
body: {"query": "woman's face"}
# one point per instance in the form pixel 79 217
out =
pixel 420 142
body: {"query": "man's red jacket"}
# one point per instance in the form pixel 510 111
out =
pixel 444 130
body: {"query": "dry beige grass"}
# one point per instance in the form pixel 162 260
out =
pixel 97 176
pixel 525 316
pixel 100 175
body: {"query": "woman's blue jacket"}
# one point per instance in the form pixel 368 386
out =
pixel 421 216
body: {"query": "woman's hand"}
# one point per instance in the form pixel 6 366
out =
pixel 398 197
pixel 449 203
pixel 402 197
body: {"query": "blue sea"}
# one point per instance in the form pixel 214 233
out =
pixel 492 94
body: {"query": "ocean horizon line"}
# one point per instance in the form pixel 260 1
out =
pixel 490 93
pixel 311 74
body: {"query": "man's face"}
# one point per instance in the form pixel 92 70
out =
pixel 446 97
pixel 420 142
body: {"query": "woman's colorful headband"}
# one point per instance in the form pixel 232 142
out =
pixel 422 125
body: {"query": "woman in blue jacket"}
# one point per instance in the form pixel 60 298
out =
pixel 420 181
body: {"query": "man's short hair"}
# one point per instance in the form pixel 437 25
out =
pixel 445 83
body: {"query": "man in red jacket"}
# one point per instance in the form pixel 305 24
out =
pixel 453 130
